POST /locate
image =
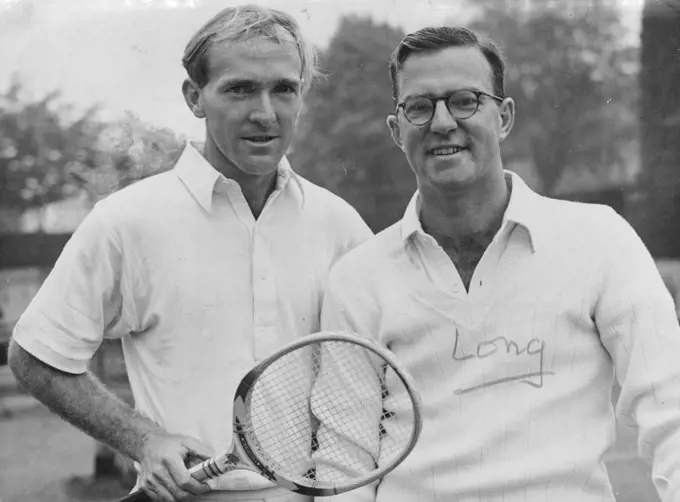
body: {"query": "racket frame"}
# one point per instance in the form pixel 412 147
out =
pixel 234 458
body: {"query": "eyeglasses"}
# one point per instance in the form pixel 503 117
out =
pixel 463 104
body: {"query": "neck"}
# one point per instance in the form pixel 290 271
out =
pixel 256 188
pixel 474 213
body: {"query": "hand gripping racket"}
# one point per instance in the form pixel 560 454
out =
pixel 324 415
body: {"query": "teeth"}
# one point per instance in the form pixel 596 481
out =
pixel 447 151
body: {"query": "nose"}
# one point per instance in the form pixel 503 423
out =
pixel 442 120
pixel 263 111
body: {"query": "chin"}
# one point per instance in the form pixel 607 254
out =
pixel 454 175
pixel 259 166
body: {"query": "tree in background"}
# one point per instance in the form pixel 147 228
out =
pixel 572 71
pixel 343 142
pixel 39 145
pixel 656 213
pixel 129 150
pixel 48 155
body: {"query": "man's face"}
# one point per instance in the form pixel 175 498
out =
pixel 449 153
pixel 251 101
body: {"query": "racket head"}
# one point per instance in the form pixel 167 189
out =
pixel 327 414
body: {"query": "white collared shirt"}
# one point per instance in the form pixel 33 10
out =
pixel 516 374
pixel 198 290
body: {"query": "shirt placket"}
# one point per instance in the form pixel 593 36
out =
pixel 263 272
pixel 469 309
pixel 264 296
pixel 265 305
pixel 483 281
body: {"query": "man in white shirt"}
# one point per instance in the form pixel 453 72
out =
pixel 202 271
pixel 513 311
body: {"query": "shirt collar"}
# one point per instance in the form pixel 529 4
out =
pixel 522 210
pixel 410 223
pixel 200 177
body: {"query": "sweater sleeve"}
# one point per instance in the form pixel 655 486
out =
pixel 636 319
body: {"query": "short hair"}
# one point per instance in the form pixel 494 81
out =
pixel 244 22
pixel 434 39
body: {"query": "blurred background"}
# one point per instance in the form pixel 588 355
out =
pixel 90 102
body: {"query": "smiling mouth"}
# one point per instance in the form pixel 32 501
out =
pixel 452 150
pixel 260 139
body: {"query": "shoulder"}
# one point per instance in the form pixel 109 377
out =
pixel 146 200
pixel 330 211
pixel 588 220
pixel 318 198
pixel 564 208
pixel 150 191
pixel 370 259
pixel 582 233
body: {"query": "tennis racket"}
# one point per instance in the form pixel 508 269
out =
pixel 324 415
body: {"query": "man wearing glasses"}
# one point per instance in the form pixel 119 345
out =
pixel 513 311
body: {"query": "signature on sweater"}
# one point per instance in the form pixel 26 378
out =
pixel 534 348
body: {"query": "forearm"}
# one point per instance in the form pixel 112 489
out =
pixel 83 401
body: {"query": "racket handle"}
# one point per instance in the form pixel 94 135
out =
pixel 208 469
pixel 202 472
pixel 138 496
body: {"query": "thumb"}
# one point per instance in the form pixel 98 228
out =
pixel 196 450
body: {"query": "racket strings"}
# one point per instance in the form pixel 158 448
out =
pixel 329 414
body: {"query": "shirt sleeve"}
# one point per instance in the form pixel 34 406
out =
pixel 636 319
pixel 80 301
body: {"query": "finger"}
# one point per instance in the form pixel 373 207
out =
pixel 183 479
pixel 166 486
pixel 195 487
pixel 155 491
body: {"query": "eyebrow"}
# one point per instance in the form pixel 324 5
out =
pixel 295 84
pixel 445 93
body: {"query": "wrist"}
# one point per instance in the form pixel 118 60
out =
pixel 147 436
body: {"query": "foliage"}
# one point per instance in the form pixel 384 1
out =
pixel 129 150
pixel 45 156
pixel 572 73
pixel 39 146
pixel 655 210
pixel 343 142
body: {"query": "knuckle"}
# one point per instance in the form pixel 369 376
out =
pixel 178 492
pixel 195 487
pixel 184 496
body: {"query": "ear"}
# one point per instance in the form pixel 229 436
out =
pixel 395 131
pixel 506 118
pixel 193 97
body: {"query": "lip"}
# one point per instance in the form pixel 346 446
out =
pixel 430 151
pixel 251 141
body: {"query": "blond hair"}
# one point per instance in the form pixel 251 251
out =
pixel 236 24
